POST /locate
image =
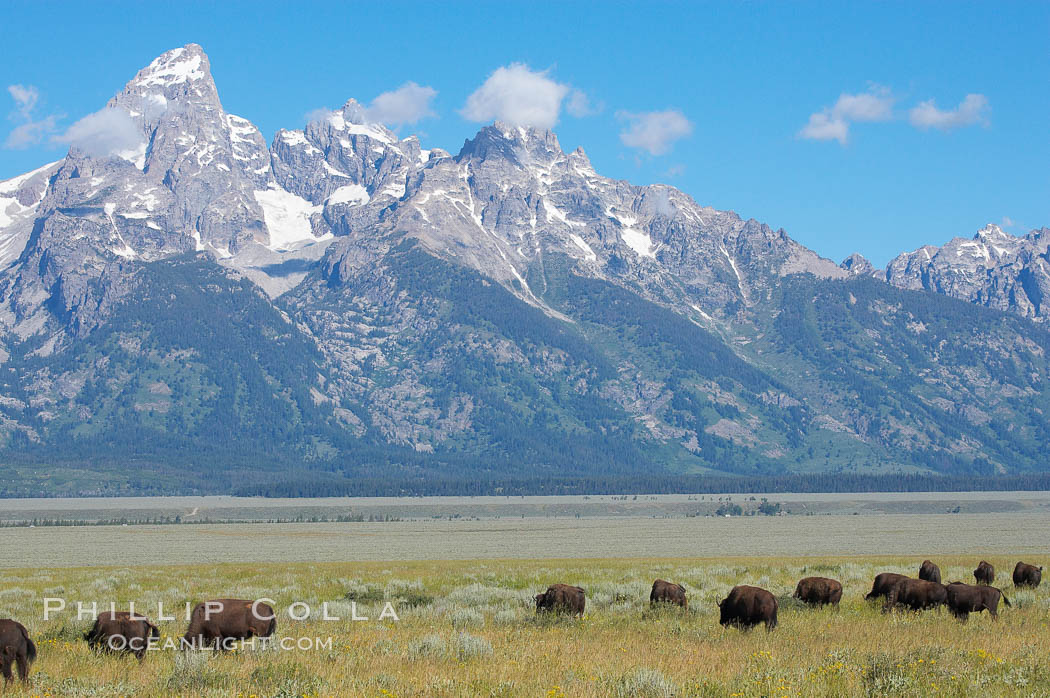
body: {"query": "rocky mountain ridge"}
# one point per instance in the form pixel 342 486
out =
pixel 346 291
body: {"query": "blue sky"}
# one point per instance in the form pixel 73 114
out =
pixel 737 83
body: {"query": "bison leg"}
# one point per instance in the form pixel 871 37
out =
pixel 5 669
pixel 23 667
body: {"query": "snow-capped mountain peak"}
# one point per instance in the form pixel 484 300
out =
pixel 180 65
pixel 992 268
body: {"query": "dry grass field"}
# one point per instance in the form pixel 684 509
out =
pixel 467 628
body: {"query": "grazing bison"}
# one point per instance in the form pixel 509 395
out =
pixel 561 598
pixel 930 572
pixel 984 574
pixel 746 607
pixel 916 594
pixel 884 582
pixel 1027 575
pixel 818 591
pixel 964 599
pixel 222 621
pixel 15 647
pixel 121 631
pixel 668 592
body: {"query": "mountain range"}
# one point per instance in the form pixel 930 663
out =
pixel 183 308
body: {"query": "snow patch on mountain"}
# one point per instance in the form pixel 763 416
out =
pixel 639 241
pixel 287 217
pixel 582 244
pixel 349 194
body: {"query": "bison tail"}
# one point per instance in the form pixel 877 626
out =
pixel 1005 600
pixel 30 650
pixel 272 627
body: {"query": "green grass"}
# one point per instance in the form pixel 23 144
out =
pixel 467 628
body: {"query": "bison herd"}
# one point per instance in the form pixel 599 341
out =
pixel 748 606
pixel 212 624
pixel 217 623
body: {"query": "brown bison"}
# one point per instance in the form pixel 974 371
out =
pixel 122 631
pixel 916 594
pixel 884 582
pixel 1027 575
pixel 818 591
pixel 984 574
pixel 223 621
pixel 668 592
pixel 746 607
pixel 561 598
pixel 964 599
pixel 930 572
pixel 15 647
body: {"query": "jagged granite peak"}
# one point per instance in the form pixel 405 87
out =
pixel 524 144
pixel 167 172
pixel 342 159
pixel 857 264
pixel 512 196
pixel 993 268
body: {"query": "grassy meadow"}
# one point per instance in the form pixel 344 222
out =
pixel 467 628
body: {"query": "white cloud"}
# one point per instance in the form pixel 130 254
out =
pixel 823 126
pixel 319 114
pixel 655 131
pixel 579 104
pixel 407 104
pixel 25 98
pixel 972 110
pixel 874 105
pixel 30 133
pixel 108 131
pixel 29 130
pixel 832 123
pixel 518 96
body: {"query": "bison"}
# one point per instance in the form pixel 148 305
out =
pixel 15 647
pixel 746 607
pixel 122 631
pixel 668 592
pixel 916 594
pixel 1027 575
pixel 930 572
pixel 984 574
pixel 818 591
pixel 562 598
pixel 222 621
pixel 884 582
pixel 964 599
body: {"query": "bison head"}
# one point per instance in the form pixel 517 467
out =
pixel 725 615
